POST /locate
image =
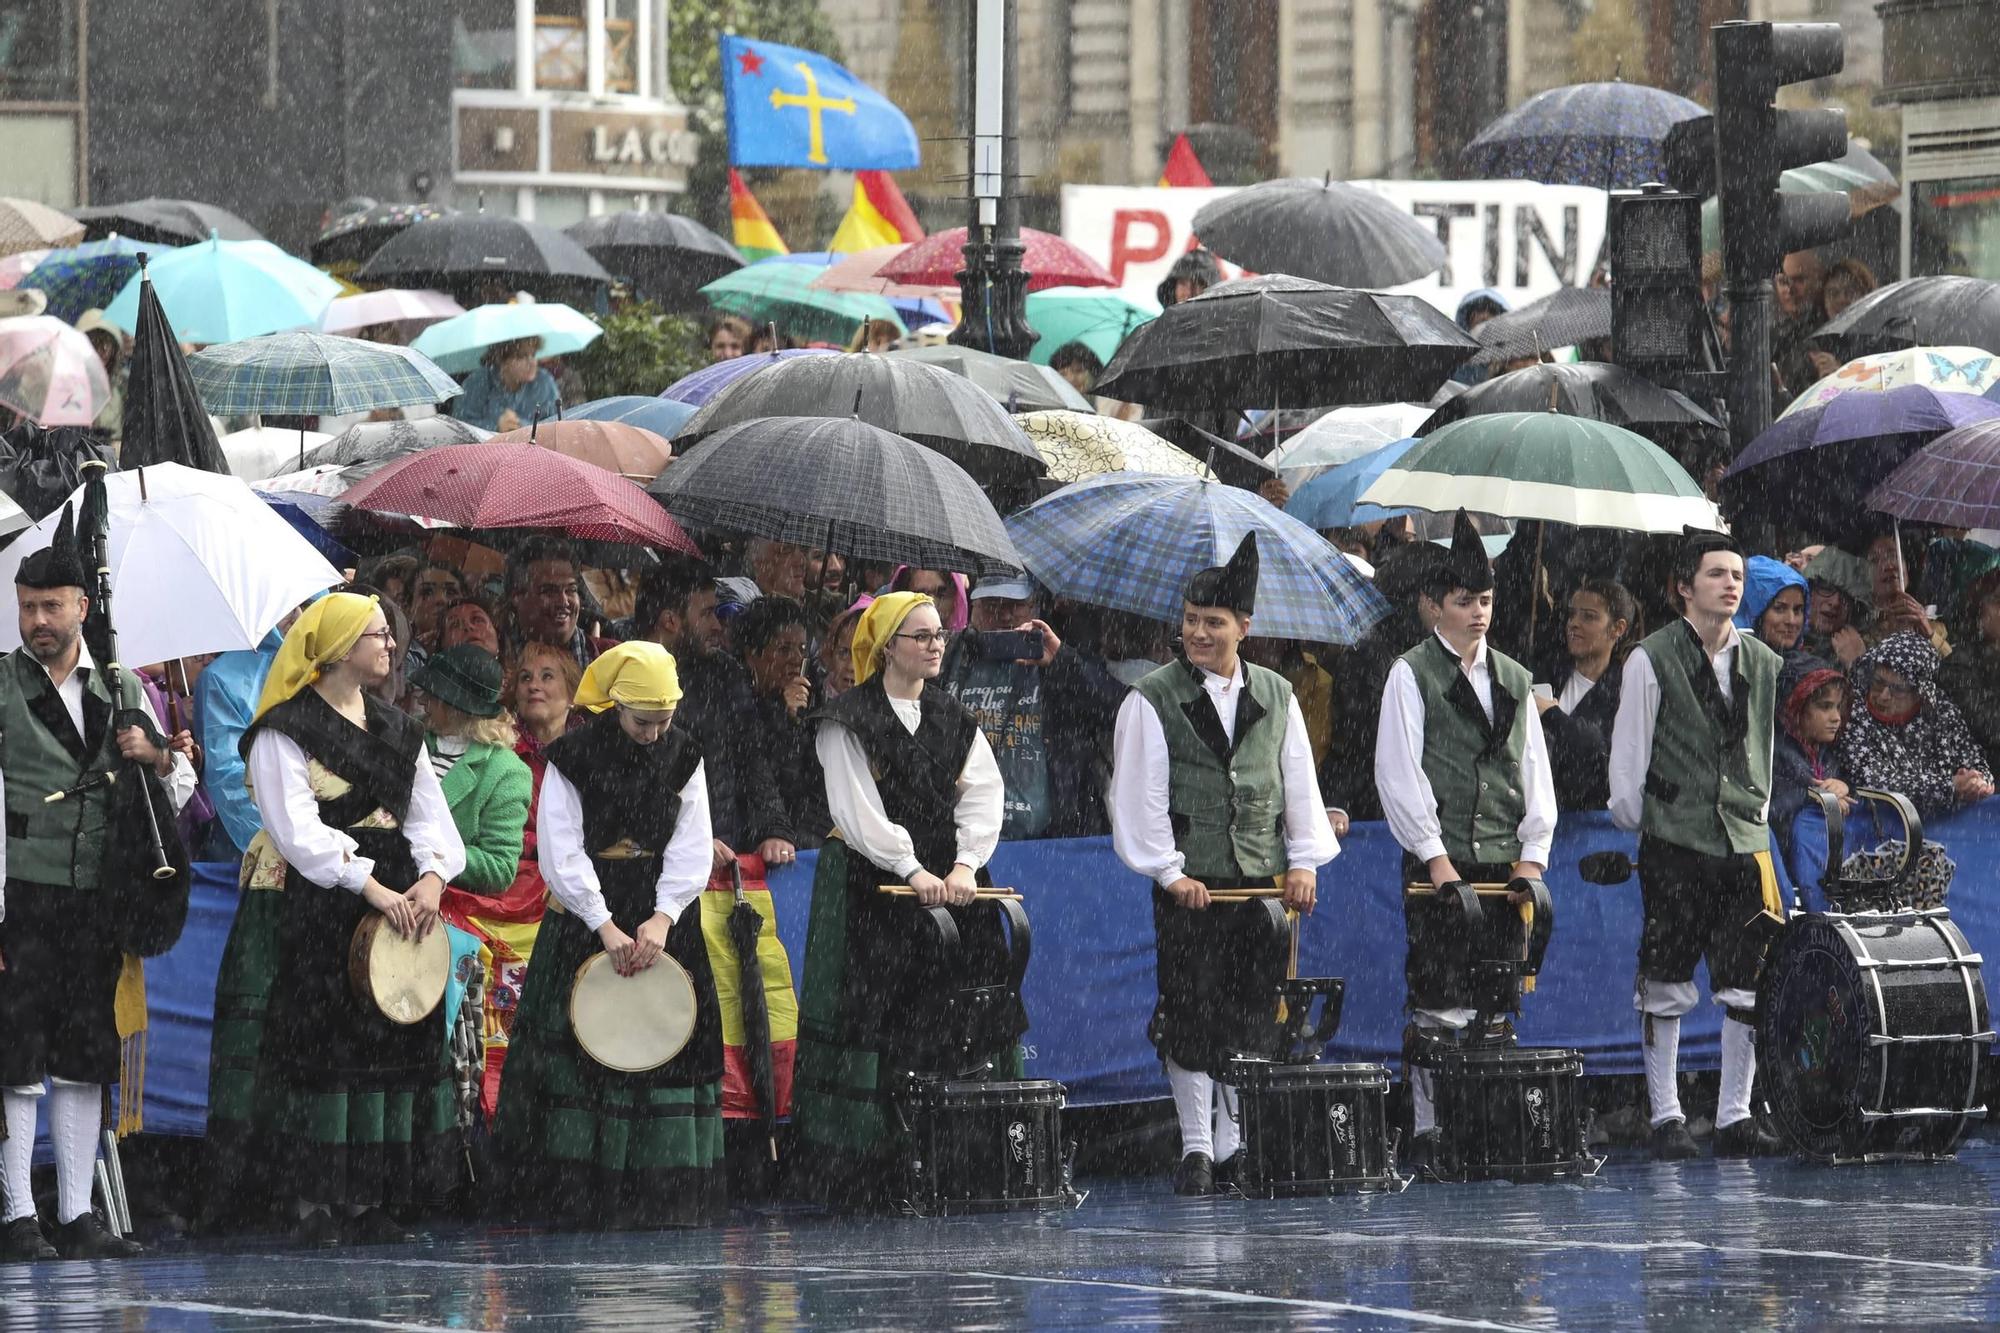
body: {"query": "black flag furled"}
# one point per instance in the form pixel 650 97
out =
pixel 164 419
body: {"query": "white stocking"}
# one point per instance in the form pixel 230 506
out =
pixel 17 1154
pixel 1194 1105
pixel 1228 1124
pixel 1739 1071
pixel 1663 1053
pixel 76 1114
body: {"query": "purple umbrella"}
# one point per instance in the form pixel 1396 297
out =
pixel 1812 468
pixel 705 383
pixel 1953 482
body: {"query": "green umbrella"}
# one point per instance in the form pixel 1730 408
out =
pixel 1548 466
pixel 1865 193
pixel 1097 318
pixel 778 292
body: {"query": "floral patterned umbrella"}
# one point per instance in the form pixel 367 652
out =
pixel 1077 445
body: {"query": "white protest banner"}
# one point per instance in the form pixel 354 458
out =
pixel 1521 238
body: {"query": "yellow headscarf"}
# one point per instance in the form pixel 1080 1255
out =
pixel 878 624
pixel 324 633
pixel 639 674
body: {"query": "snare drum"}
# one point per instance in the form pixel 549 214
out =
pixel 1313 1129
pixel 985 1147
pixel 631 1024
pixel 1872 1029
pixel 402 979
pixel 1510 1114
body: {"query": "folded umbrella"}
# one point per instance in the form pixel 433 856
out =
pixel 201 564
pixel 50 373
pixel 457 344
pixel 90 276
pixel 628 450
pixel 1566 317
pixel 1953 482
pixel 41 466
pixel 482 257
pixel 1018 386
pixel 1081 444
pixel 308 374
pixel 697 387
pixel 164 221
pixel 28 225
pixel 520 486
pixel 352 239
pixel 780 292
pixel 663 257
pixel 1326 230
pixel 662 416
pixel 1049 261
pixel 1098 319
pixel 408 310
pixel 1947 369
pixel 382 441
pixel 746 923
pixel 842 485
pixel 165 421
pixel 223 291
pixel 1937 311
pixel 1131 542
pixel 1608 135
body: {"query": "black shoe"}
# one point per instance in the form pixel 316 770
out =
pixel 375 1227
pixel 1422 1154
pixel 22 1242
pixel 1672 1142
pixel 1195 1175
pixel 86 1238
pixel 317 1230
pixel 1229 1171
pixel 1747 1138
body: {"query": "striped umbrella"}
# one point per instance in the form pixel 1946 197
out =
pixel 302 373
pixel 1549 466
pixel 1131 541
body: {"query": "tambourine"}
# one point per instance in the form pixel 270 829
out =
pixel 631 1024
pixel 404 979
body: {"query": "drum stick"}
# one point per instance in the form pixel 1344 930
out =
pixel 1426 891
pixel 1243 895
pixel 905 891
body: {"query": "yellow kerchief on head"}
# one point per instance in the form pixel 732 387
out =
pixel 884 616
pixel 640 674
pixel 324 633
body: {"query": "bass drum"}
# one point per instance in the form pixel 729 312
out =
pixel 1871 1032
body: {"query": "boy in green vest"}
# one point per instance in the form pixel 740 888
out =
pixel 1212 787
pixel 59 956
pixel 1463 773
pixel 1691 771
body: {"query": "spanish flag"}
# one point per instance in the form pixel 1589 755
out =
pixel 878 216
pixel 1183 168
pixel 755 237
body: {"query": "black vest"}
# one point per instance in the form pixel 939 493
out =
pixel 626 790
pixel 916 775
pixel 380 762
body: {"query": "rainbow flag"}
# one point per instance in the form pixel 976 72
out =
pixel 878 216
pixel 755 237
pixel 1183 168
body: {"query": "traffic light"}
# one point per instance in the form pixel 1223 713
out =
pixel 1755 142
pixel 1658 318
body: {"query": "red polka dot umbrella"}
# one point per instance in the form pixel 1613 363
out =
pixel 491 486
pixel 1050 262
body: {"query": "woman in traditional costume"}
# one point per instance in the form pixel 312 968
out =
pixel 623 837
pixel 916 799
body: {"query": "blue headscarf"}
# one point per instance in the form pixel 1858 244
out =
pixel 1763 579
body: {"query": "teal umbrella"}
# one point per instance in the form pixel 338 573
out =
pixel 1097 318
pixel 773 291
pixel 457 343
pixel 218 291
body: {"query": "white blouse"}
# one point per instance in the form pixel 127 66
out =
pixel 566 865
pixel 280 787
pixel 856 803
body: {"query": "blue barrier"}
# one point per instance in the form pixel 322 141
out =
pixel 1090 988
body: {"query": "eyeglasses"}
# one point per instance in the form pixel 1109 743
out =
pixel 387 636
pixel 1891 690
pixel 925 638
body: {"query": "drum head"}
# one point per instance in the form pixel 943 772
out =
pixel 403 978
pixel 1813 1021
pixel 631 1024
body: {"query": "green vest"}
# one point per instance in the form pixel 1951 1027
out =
pixel 1474 766
pixel 1227 801
pixel 1710 776
pixel 61 843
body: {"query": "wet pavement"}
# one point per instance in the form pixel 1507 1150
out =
pixel 1701 1245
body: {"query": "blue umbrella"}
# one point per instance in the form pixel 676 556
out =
pixel 1333 498
pixel 224 291
pixel 87 277
pixel 700 386
pixel 662 416
pixel 306 513
pixel 1131 541
pixel 1610 135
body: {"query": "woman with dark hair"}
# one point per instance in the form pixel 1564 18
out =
pixel 1904 736
pixel 1582 702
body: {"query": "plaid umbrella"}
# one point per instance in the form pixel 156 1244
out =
pixel 1610 135
pixel 1565 317
pixel 88 276
pixel 838 484
pixel 520 486
pixel 27 225
pixel 1131 542
pixel 698 386
pixel 301 374
pixel 1326 230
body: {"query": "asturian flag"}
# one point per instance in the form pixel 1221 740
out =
pixel 788 107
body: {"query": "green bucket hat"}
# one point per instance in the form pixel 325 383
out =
pixel 465 676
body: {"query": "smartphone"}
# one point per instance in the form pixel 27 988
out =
pixel 1543 690
pixel 1011 645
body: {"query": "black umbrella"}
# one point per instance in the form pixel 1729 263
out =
pixel 1228 460
pixel 482 257
pixel 745 924
pixel 1326 230
pixel 1590 389
pixel 164 222
pixel 384 441
pixel 932 406
pixel 353 238
pixel 1565 317
pixel 842 485
pixel 165 421
pixel 41 466
pixel 1939 311
pixel 663 256
pixel 1277 340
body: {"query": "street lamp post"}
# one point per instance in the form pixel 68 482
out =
pixel 992 287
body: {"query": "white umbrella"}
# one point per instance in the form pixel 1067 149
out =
pixel 13 518
pixel 265 451
pixel 199 564
pixel 406 308
pixel 1343 435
